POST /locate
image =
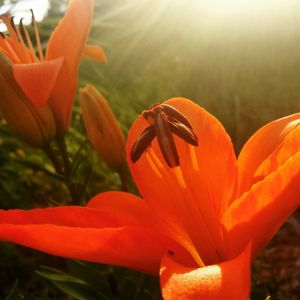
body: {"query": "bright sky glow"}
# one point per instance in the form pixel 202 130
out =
pixel 229 16
pixel 21 10
pixel 231 7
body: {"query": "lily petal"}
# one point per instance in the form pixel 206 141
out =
pixel 136 210
pixel 288 147
pixel 228 280
pixel 124 203
pixel 68 41
pixel 87 234
pixel 260 146
pixel 214 162
pixel 72 216
pixel 37 79
pixel 178 196
pixel 95 53
pixel 259 213
pixel 131 247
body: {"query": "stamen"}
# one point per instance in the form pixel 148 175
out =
pixel 164 121
pixel 6 19
pixel 179 177
pixel 28 40
pixel 13 26
pixel 194 159
pixel 142 143
pixel 37 37
pixel 12 52
pixel 166 140
pixel 20 38
pixel 174 113
pixel 2 35
pixel 25 56
pixel 152 161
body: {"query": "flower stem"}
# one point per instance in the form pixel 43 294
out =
pixel 68 169
pixel 64 154
pixel 53 158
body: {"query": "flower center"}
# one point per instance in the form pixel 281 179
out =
pixel 164 121
pixel 18 46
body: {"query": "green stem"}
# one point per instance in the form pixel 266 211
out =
pixel 53 158
pixel 64 154
pixel 68 169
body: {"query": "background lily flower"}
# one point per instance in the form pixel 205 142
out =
pixel 198 226
pixel 35 125
pixel 102 128
pixel 52 78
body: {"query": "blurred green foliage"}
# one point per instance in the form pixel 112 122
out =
pixel 242 67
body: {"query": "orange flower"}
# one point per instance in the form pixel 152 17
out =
pixel 198 225
pixel 52 79
pixel 102 127
pixel 35 125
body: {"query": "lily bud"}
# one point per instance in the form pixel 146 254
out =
pixel 102 127
pixel 35 125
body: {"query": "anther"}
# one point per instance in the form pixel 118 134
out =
pixel 142 143
pixel 32 17
pixel 12 23
pixel 2 35
pixel 164 121
pixel 22 26
pixel 165 140
pixel 37 36
pixel 174 113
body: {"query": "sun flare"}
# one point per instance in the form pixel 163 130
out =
pixel 21 9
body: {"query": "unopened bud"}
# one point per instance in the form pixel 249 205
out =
pixel 102 127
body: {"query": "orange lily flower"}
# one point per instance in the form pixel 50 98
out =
pixel 52 79
pixel 35 125
pixel 199 224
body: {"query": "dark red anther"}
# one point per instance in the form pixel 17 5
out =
pixel 174 113
pixel 183 132
pixel 165 140
pixel 12 23
pixel 164 121
pixel 142 143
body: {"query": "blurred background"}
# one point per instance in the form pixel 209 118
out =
pixel 238 59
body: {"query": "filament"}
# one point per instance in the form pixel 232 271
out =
pixel 37 37
pixel 28 40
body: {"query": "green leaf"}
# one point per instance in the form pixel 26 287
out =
pixel 79 292
pixel 94 275
pixel 72 286
pixel 61 277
